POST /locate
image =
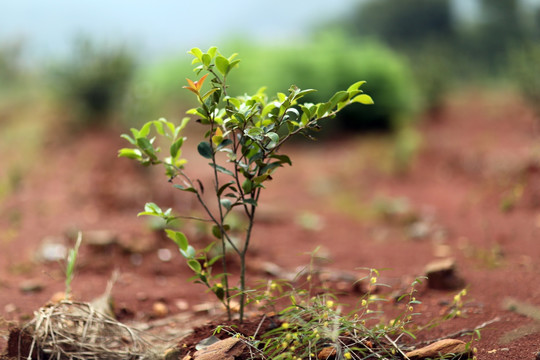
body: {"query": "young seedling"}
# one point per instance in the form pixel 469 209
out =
pixel 250 131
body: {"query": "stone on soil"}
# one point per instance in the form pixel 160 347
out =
pixel 100 238
pixel 442 275
pixel 31 286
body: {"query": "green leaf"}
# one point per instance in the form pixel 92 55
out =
pixel 221 169
pixel 219 292
pixel 355 86
pixel 222 64
pixel 226 203
pixel 284 159
pixel 208 93
pixel 338 97
pixel 189 253
pixel 273 136
pixel 363 99
pixel 129 138
pixel 250 201
pixel 254 132
pixel 212 51
pixel 185 188
pixel 247 186
pixel 217 232
pixel 130 153
pixel 147 147
pixel 224 187
pixel 205 149
pixel 145 130
pixel 175 147
pixel 233 64
pixel 159 126
pixel 269 167
pixel 153 208
pixel 179 238
pixel 196 52
pixel 224 143
pixel 322 108
pixel 214 259
pixel 259 179
pixel 194 265
pixel 304 93
pixel 206 59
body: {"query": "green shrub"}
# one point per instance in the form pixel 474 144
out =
pixel 93 83
pixel 329 64
pixel 10 63
pixel 524 65
pixel 433 68
pixel 154 91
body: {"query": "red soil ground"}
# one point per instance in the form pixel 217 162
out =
pixel 473 194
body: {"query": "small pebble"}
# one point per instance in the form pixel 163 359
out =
pixel 31 286
pixel 52 250
pixel 182 304
pixel 9 308
pixel 160 309
pixel 136 259
pixel 164 255
pixel 141 296
pixel 57 297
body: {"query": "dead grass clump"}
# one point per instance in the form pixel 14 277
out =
pixel 76 330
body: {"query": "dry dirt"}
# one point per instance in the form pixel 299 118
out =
pixel 473 194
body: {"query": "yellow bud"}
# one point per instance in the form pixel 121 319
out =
pixel 330 303
pixel 364 302
pixel 285 325
pixel 347 355
pixel 373 280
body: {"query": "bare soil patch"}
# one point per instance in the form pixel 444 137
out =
pixel 473 194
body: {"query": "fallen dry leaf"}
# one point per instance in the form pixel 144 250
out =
pixel 443 347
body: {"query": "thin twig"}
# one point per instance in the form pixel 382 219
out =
pixel 461 332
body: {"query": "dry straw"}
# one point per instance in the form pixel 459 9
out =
pixel 76 330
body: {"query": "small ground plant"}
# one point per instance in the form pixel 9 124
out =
pixel 315 325
pixel 250 131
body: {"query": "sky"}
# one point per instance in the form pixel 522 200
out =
pixel 162 27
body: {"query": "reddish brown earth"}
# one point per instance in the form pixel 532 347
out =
pixel 474 188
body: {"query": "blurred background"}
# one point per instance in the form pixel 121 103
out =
pixel 66 67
